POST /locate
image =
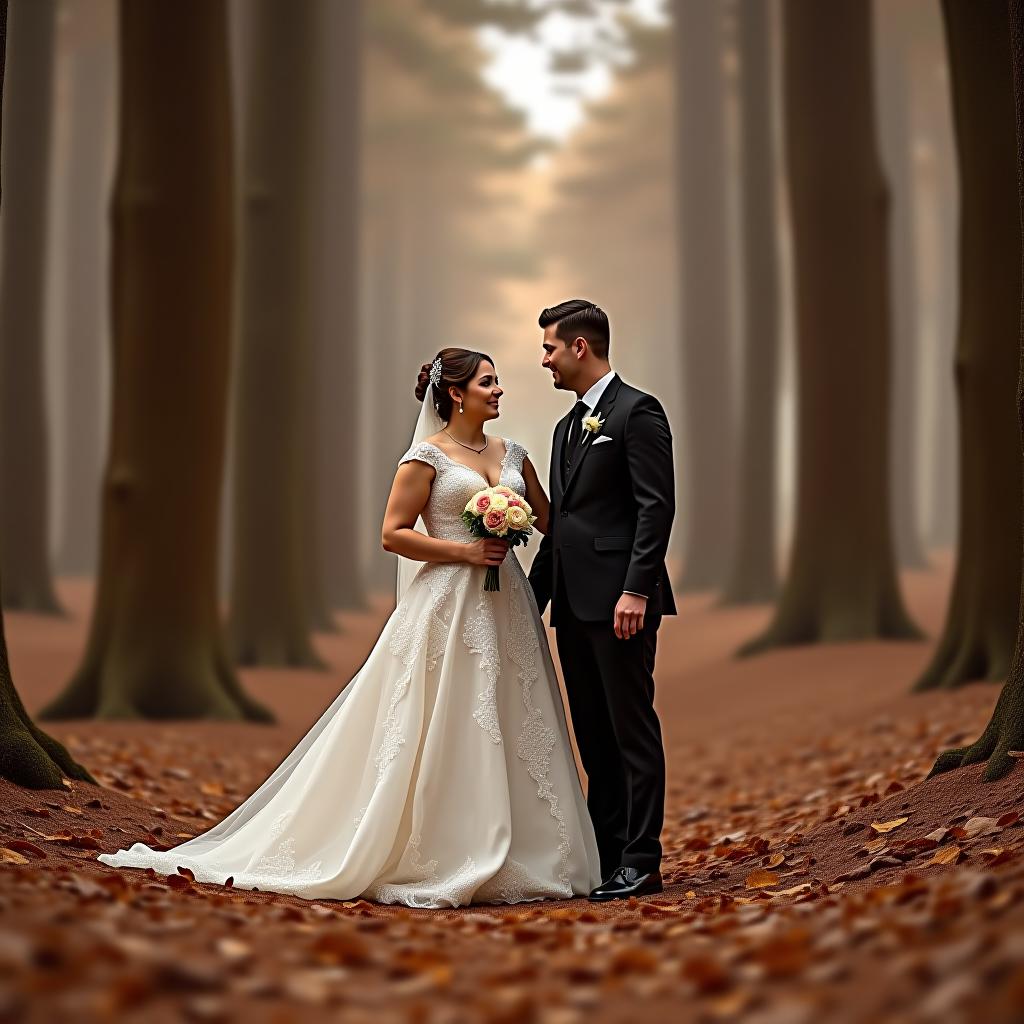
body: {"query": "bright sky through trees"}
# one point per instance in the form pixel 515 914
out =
pixel 543 73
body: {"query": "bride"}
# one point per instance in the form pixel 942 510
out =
pixel 442 774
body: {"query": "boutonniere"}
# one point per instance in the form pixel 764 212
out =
pixel 593 424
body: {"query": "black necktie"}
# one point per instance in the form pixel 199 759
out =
pixel 575 425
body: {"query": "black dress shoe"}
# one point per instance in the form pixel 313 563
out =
pixel 626 882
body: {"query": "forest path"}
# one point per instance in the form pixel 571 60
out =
pixel 778 763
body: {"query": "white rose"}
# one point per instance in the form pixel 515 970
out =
pixel 517 518
pixel 499 502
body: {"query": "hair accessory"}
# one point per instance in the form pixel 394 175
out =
pixel 435 372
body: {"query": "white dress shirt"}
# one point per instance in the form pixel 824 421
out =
pixel 590 400
pixel 597 389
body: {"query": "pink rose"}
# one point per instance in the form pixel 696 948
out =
pixel 483 503
pixel 495 521
pixel 516 501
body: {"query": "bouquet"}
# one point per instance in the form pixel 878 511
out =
pixel 499 512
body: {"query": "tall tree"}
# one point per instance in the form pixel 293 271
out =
pixel 1004 734
pixel 28 756
pixel 981 621
pixel 940 201
pixel 24 512
pixel 338 334
pixel 706 326
pixel 753 576
pixel 896 26
pixel 155 646
pixel 88 88
pixel 276 593
pixel 842 581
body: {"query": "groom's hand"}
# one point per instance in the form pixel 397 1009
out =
pixel 629 615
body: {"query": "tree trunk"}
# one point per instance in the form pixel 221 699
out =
pixel 1004 733
pixel 155 647
pixel 395 327
pixel 707 476
pixel 28 757
pixel 275 592
pixel 85 180
pixel 338 334
pixel 24 513
pixel 942 531
pixel 893 42
pixel 753 576
pixel 981 622
pixel 842 581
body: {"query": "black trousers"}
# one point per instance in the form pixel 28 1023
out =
pixel 610 685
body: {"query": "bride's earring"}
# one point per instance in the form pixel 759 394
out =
pixel 461 410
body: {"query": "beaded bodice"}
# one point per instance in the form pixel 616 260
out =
pixel 455 483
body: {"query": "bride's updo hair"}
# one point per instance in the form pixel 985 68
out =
pixel 458 368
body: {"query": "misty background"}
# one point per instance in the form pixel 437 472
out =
pixel 447 168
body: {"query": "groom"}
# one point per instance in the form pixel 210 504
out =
pixel 602 566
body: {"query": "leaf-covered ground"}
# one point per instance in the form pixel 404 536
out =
pixel 812 875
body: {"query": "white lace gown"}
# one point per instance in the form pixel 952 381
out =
pixel 442 774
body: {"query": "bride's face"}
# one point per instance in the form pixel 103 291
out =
pixel 481 395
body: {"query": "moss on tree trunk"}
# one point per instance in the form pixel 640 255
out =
pixel 28 756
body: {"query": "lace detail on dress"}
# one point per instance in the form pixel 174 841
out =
pixel 537 740
pixel 278 866
pixel 426 452
pixel 407 644
pixel 515 456
pixel 515 884
pixel 428 890
pixel 481 637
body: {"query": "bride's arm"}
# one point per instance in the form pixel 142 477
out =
pixel 536 497
pixel 410 493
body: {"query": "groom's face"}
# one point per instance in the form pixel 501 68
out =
pixel 559 359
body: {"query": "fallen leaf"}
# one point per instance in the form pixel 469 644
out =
pixel 760 878
pixel 999 855
pixel 24 846
pixel 888 826
pixel 794 889
pixel 981 827
pixel 8 856
pixel 947 855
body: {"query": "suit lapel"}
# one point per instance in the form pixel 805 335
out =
pixel 604 406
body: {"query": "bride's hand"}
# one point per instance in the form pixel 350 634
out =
pixel 486 551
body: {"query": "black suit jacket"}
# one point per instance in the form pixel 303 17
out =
pixel 612 513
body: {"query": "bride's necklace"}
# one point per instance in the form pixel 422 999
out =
pixel 477 450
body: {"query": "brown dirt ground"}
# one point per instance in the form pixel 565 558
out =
pixel 796 892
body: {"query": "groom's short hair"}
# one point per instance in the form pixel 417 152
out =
pixel 579 318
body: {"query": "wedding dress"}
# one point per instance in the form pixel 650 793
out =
pixel 442 774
